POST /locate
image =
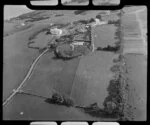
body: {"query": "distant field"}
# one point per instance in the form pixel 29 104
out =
pixel 131 9
pixel 10 28
pixel 136 63
pixel 143 15
pixel 132 34
pixel 130 26
pixel 137 95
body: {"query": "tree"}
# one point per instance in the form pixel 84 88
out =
pixel 94 106
pixel 57 98
pixel 99 17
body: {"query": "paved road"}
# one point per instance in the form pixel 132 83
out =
pixel 25 79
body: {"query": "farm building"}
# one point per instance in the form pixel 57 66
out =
pixel 56 31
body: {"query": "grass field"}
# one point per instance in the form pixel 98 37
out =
pixel 136 62
pixel 92 78
pixel 41 40
pixel 132 34
pixel 40 110
pixel 16 63
pixel 52 75
pixel 104 35
pixel 137 94
pixel 11 28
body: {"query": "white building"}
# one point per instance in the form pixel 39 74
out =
pixel 22 24
pixel 76 44
pixel 98 22
pixel 56 31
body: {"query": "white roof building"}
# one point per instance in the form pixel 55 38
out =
pixel 56 31
pixel 98 22
pixel 76 44
pixel 22 24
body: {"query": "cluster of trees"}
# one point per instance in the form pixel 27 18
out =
pixel 115 68
pixel 33 19
pixel 115 22
pixel 113 102
pixel 109 48
pixel 85 21
pixel 99 17
pixel 77 12
pixel 59 15
pixel 60 100
pixel 60 25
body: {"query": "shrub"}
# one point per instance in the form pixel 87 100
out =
pixel 79 12
pixel 61 100
pixel 99 17
pixel 115 68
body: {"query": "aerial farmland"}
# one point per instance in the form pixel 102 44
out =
pixel 76 65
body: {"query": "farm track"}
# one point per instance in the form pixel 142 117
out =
pixel 25 79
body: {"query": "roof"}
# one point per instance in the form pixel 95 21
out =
pixel 56 31
pixel 78 43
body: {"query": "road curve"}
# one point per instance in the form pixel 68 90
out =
pixel 25 79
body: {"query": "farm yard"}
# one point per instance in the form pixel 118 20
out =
pixel 76 68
